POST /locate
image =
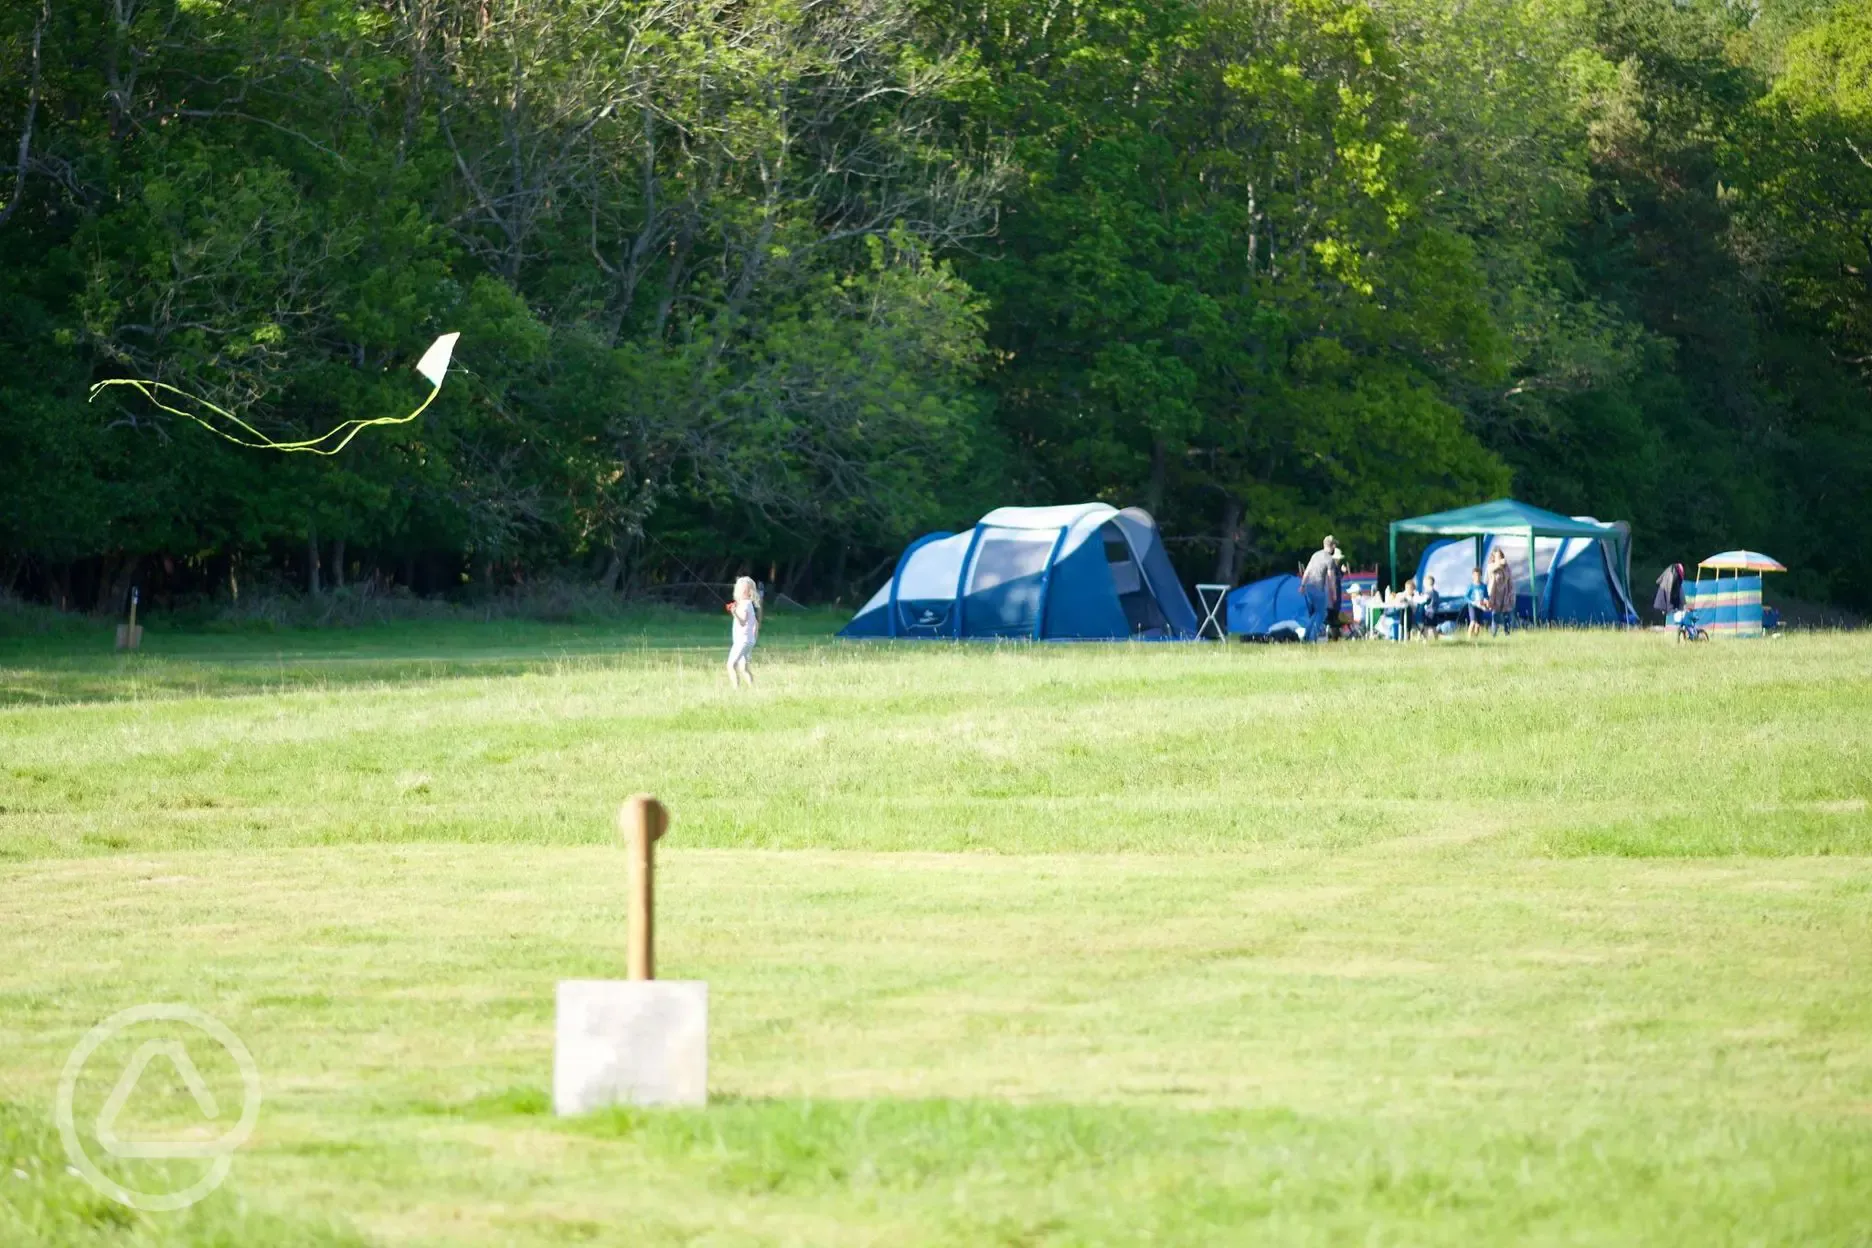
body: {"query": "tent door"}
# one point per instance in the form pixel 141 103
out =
pixel 1141 612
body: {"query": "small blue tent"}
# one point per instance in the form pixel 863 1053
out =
pixel 1273 609
pixel 1086 571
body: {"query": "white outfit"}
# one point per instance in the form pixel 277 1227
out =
pixel 746 633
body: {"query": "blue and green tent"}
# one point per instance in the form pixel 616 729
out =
pixel 1567 569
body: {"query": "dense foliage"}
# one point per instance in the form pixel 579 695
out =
pixel 778 284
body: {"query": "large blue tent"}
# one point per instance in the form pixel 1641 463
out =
pixel 1086 571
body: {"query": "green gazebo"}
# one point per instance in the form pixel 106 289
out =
pixel 1506 516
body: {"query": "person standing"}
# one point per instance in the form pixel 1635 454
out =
pixel 745 611
pixel 1319 585
pixel 1427 612
pixel 1335 590
pixel 1475 603
pixel 1501 592
pixel 1670 591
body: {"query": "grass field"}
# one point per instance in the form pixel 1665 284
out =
pixel 1563 939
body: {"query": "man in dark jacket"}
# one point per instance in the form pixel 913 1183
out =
pixel 1670 593
pixel 1319 585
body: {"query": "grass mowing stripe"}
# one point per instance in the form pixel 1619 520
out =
pixel 1586 743
pixel 933 1048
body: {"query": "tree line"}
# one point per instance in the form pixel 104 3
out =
pixel 777 285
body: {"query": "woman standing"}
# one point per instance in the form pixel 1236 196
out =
pixel 1501 592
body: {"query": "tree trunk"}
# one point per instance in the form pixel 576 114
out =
pixel 338 562
pixel 1159 475
pixel 1228 550
pixel 795 585
pixel 106 573
pixel 614 567
pixel 312 561
pixel 114 594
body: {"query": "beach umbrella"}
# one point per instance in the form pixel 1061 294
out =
pixel 1742 561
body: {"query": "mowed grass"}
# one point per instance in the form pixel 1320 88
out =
pixel 1561 939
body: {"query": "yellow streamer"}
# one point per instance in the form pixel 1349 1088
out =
pixel 433 365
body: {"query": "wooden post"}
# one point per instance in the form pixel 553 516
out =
pixel 636 1041
pixel 642 820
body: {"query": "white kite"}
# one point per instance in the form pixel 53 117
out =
pixel 433 366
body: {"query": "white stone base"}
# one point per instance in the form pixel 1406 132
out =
pixel 625 1042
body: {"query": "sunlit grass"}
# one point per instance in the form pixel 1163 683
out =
pixel 1567 743
pixel 1559 940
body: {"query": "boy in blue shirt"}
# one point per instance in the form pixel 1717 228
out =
pixel 1477 600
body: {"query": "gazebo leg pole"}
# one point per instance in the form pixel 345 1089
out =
pixel 1533 578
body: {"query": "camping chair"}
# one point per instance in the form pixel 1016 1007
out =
pixel 1363 582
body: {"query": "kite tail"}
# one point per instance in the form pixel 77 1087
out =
pixel 328 443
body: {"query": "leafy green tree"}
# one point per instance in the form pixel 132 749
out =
pixel 1214 290
pixel 769 286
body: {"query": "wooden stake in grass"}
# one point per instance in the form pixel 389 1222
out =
pixel 642 819
pixel 636 1041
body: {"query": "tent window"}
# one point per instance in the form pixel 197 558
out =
pixel 1008 556
pixel 1004 584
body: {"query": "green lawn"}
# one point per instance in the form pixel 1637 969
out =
pixel 1562 939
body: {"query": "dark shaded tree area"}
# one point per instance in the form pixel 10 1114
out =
pixel 775 286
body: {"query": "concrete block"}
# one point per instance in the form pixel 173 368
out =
pixel 630 1042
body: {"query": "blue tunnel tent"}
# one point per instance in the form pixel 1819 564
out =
pixel 1567 569
pixel 1272 610
pixel 1085 572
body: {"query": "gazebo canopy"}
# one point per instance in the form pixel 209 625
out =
pixel 1505 515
